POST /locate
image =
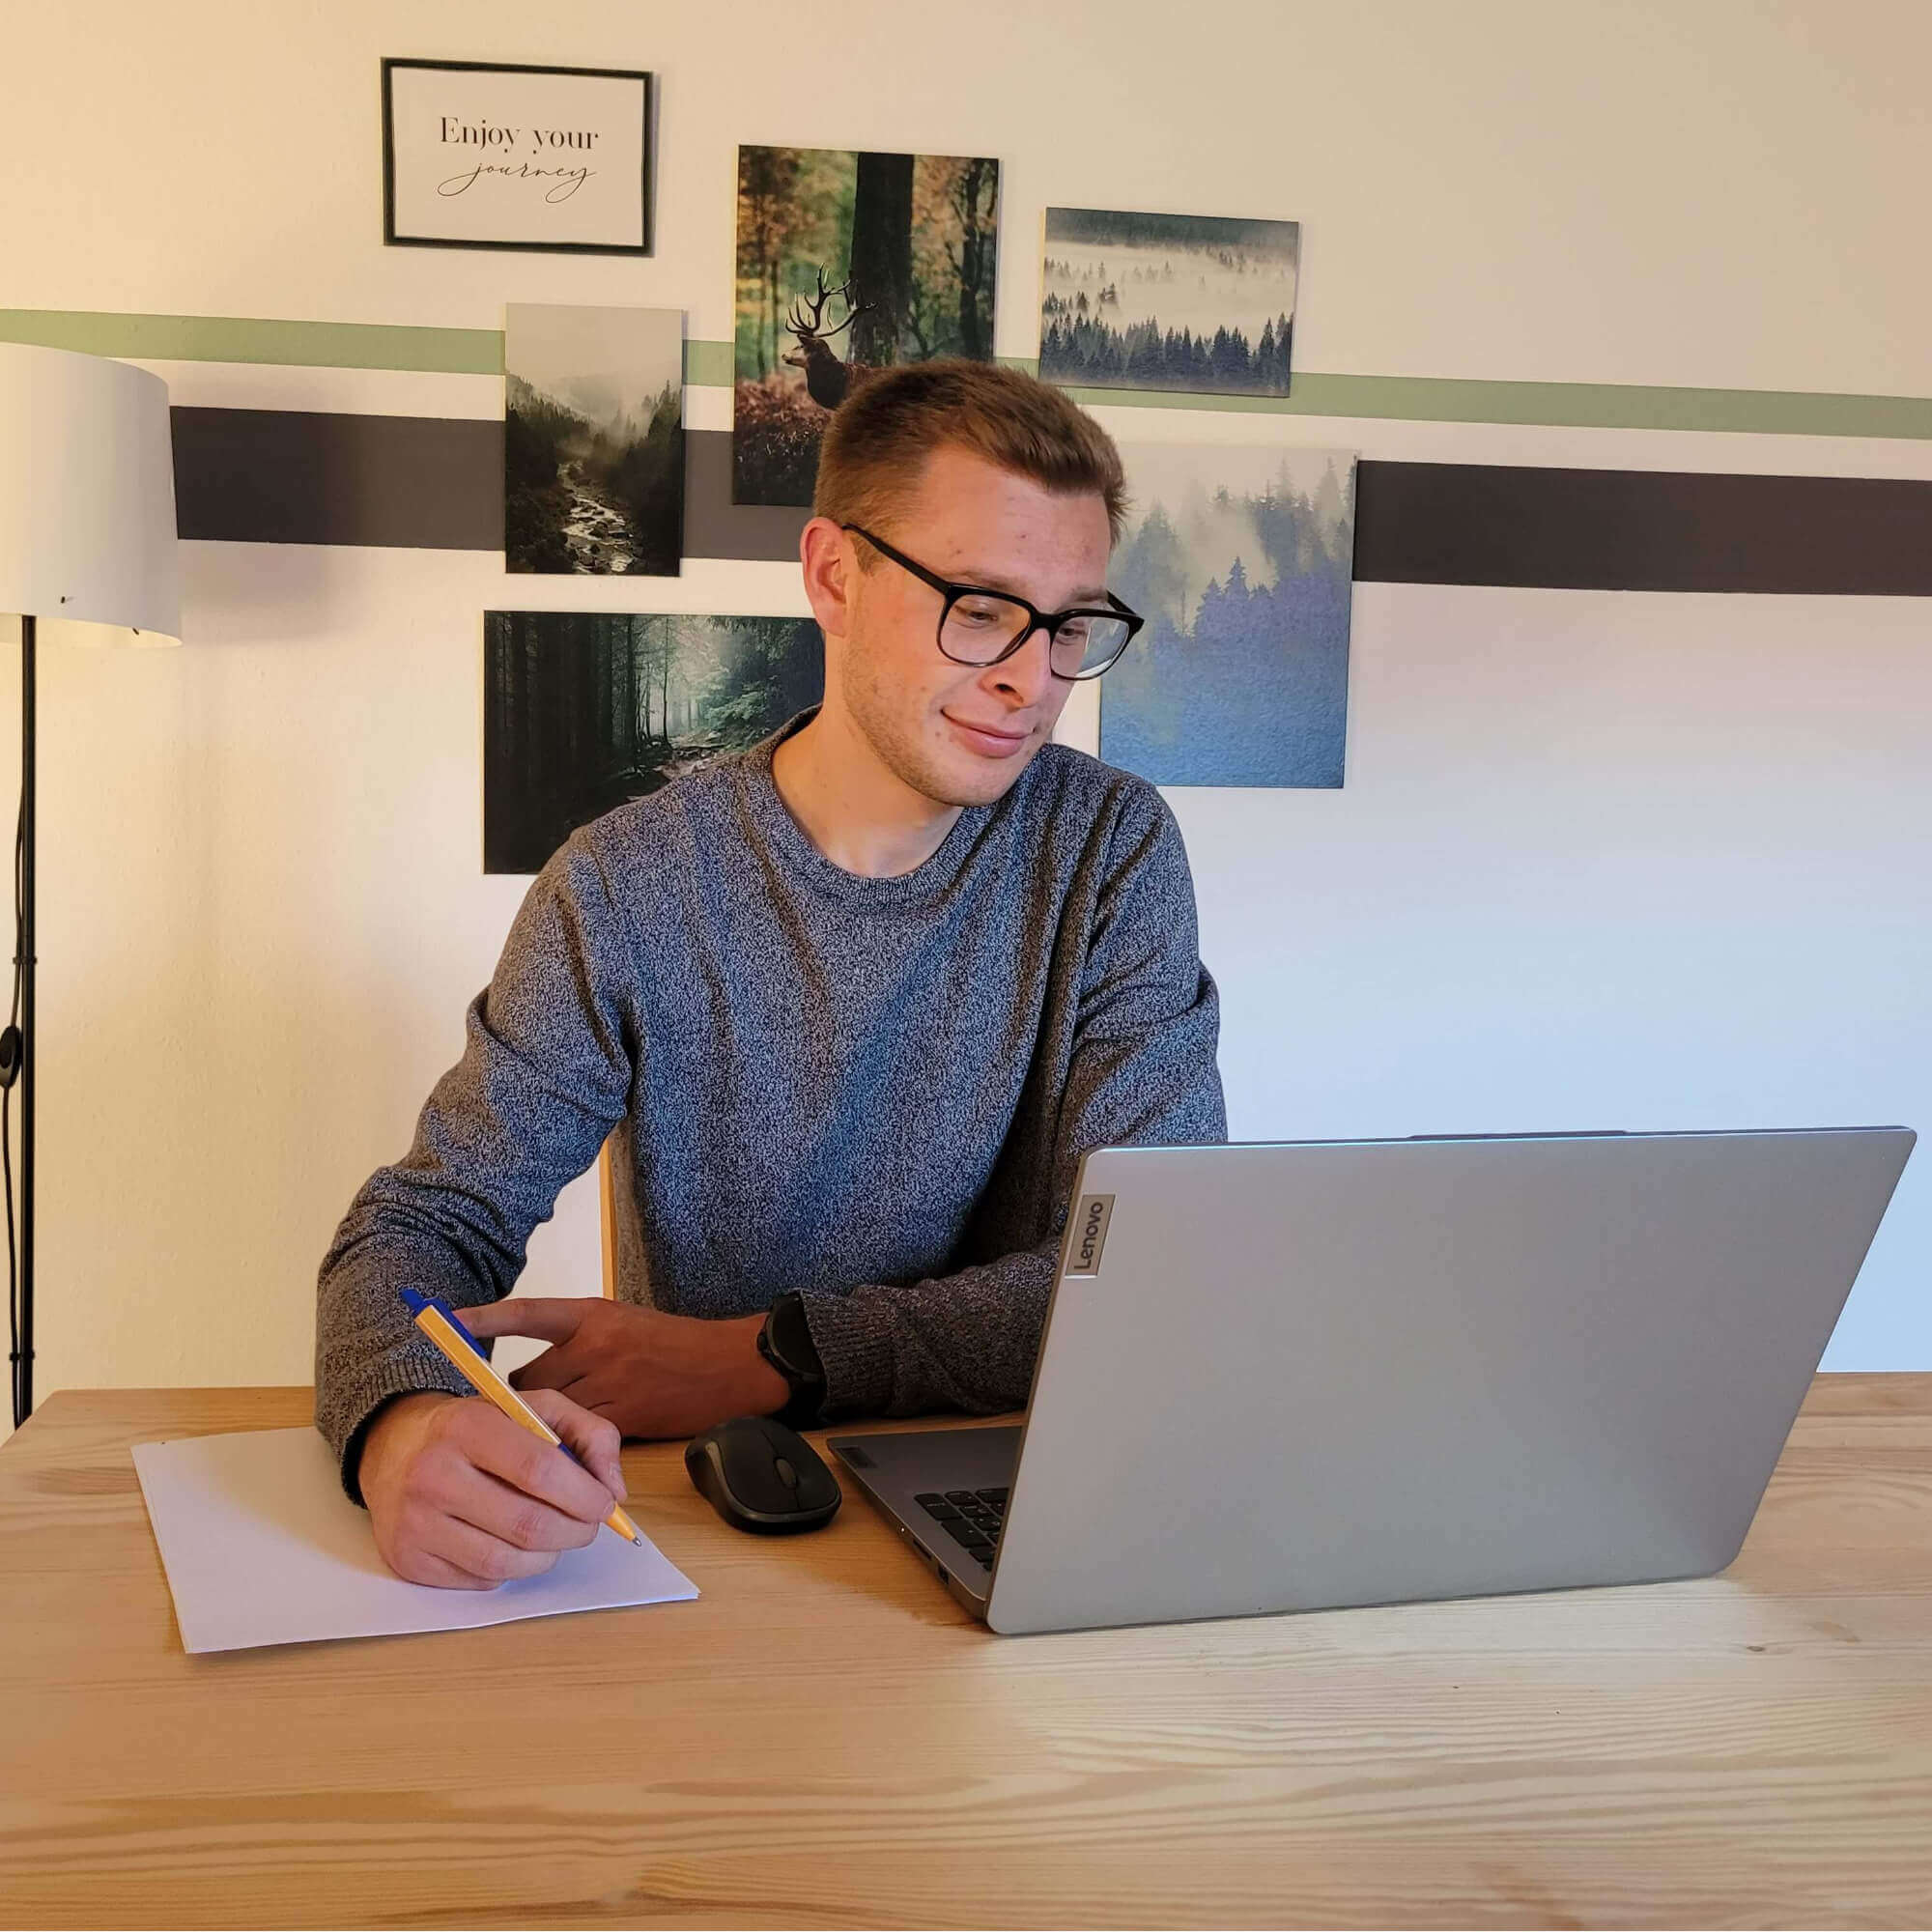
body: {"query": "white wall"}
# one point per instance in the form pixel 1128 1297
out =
pixel 1601 860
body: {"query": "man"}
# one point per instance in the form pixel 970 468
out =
pixel 858 997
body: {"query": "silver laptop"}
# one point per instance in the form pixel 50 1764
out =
pixel 1298 1375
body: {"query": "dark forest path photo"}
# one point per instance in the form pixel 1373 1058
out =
pixel 584 711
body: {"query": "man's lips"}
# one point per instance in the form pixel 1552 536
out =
pixel 997 739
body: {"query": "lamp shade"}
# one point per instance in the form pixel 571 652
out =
pixel 87 495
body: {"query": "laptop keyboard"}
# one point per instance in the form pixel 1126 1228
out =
pixel 972 1518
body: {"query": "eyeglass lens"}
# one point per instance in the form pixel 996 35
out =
pixel 979 626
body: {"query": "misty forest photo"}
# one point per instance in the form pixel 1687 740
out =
pixel 585 710
pixel 593 439
pixel 847 264
pixel 1198 303
pixel 1242 561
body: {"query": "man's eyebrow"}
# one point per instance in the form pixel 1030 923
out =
pixel 992 579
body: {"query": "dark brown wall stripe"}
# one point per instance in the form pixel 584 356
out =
pixel 409 482
pixel 1642 529
pixel 436 483
pixel 303 476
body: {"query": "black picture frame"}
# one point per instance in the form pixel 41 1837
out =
pixel 647 148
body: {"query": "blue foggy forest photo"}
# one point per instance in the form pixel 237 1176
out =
pixel 1242 561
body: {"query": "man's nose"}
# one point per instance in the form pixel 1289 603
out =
pixel 1029 672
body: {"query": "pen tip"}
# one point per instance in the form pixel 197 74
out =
pixel 639 1541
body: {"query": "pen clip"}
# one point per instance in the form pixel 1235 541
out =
pixel 416 1302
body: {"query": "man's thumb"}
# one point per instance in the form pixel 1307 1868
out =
pixel 594 1439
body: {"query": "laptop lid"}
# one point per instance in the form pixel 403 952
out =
pixel 1304 1375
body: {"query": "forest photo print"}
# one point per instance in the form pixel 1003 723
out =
pixel 849 263
pixel 593 439
pixel 1197 302
pixel 585 710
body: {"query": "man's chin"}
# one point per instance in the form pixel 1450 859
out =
pixel 937 763
pixel 965 779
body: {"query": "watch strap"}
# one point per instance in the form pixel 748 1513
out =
pixel 786 1342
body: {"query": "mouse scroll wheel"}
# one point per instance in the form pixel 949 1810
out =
pixel 787 1475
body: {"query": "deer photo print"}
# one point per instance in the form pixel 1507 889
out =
pixel 849 263
pixel 1243 561
pixel 1199 302
pixel 593 439
pixel 585 710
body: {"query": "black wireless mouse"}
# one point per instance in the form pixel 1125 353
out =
pixel 761 1476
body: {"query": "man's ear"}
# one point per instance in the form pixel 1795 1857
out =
pixel 831 575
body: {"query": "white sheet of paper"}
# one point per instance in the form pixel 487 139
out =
pixel 261 1546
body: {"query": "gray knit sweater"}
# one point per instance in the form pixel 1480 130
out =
pixel 874 1092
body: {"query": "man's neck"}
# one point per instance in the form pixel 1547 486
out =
pixel 858 812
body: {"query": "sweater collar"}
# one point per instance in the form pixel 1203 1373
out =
pixel 926 882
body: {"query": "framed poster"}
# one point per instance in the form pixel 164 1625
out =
pixel 479 155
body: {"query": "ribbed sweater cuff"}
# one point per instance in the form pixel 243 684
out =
pixel 854 1341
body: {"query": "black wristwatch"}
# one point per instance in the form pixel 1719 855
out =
pixel 785 1342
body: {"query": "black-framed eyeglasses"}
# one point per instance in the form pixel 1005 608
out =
pixel 983 627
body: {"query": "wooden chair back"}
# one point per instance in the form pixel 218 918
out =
pixel 607 1220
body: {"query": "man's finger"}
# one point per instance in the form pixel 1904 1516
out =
pixel 537 1468
pixel 486 1554
pixel 596 1438
pixel 595 1398
pixel 555 1369
pixel 502 1513
pixel 548 1317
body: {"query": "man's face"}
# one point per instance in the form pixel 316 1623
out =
pixel 958 735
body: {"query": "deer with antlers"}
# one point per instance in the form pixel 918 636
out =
pixel 826 378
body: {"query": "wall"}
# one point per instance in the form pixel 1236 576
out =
pixel 1602 859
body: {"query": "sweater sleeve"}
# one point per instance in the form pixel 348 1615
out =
pixel 544 1077
pixel 1141 1072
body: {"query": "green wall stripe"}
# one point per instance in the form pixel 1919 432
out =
pixel 223 338
pixel 709 364
pixel 1555 405
pixel 479 351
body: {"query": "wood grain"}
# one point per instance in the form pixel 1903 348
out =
pixel 824 1738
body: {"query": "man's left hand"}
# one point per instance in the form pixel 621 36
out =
pixel 652 1374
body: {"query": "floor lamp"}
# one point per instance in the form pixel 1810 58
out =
pixel 87 546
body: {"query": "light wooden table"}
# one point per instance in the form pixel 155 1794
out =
pixel 823 1739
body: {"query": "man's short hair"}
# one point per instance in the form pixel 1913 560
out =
pixel 877 442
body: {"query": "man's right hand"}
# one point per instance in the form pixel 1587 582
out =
pixel 462 1498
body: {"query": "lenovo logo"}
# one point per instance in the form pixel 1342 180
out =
pixel 1089 1233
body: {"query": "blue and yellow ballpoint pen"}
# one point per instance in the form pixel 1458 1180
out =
pixel 437 1318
